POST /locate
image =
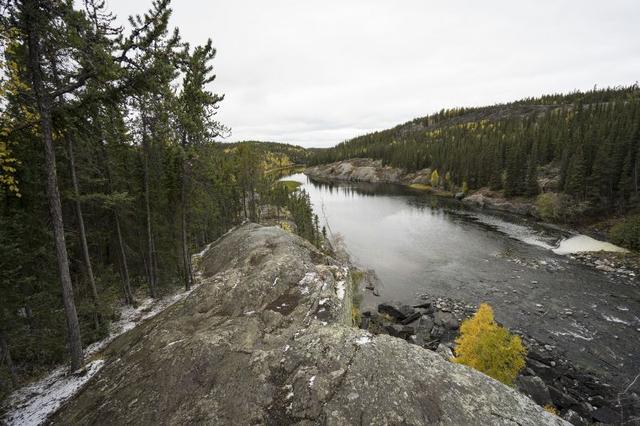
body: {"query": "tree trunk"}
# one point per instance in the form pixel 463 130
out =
pixel 150 244
pixel 5 355
pixel 186 261
pixel 53 194
pixel 186 264
pixel 154 259
pixel 126 282
pixel 83 235
pixel 244 203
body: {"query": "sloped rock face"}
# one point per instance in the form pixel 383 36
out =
pixel 266 339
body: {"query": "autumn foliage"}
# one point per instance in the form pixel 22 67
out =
pixel 489 347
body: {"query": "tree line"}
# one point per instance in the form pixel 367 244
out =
pixel 586 143
pixel 110 176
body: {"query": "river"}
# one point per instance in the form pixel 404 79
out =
pixel 420 244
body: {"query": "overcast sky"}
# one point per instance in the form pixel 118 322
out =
pixel 316 73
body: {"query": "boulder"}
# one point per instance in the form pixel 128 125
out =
pixel 395 310
pixel 607 415
pixel 584 409
pixel 437 331
pixel 245 348
pixel 574 418
pixel 411 318
pixel 534 388
pixel 540 355
pixel 423 331
pixel 459 195
pixel 401 331
pixel 425 308
pixel 445 352
pixel 561 399
pixel 542 370
pixel 446 320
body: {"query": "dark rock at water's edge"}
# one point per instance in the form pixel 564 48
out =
pixel 548 378
pixel 396 311
pixel 446 320
pixel 574 418
pixel 267 339
pixel 534 388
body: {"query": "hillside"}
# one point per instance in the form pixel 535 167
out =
pixel 275 154
pixel 582 145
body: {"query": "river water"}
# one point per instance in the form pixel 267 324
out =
pixel 418 244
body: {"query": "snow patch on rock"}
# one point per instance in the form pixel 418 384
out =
pixel 611 318
pixel 40 399
pixel 34 403
pixel 340 289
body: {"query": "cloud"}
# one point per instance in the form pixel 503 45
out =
pixel 316 73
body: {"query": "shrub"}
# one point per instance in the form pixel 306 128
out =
pixel 285 225
pixel 435 178
pixel 627 233
pixel 550 408
pixel 420 186
pixel 559 207
pixel 465 187
pixel 489 347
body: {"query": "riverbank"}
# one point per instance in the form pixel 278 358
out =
pixel 581 305
pixel 549 378
pixel 373 171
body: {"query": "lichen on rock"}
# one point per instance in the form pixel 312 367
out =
pixel 266 339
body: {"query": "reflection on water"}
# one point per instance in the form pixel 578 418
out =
pixel 418 243
pixel 412 241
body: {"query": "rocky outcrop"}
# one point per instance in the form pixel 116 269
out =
pixel 266 339
pixel 491 200
pixel 368 170
pixel 357 170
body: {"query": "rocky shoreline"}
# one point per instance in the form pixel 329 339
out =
pixel 548 378
pixel 373 171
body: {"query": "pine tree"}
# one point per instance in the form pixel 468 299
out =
pixel 532 189
pixel 39 23
pixel 514 173
pixel 196 110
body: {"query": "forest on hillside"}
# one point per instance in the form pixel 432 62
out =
pixel 111 176
pixel 586 145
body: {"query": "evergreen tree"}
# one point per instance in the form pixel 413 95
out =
pixel 196 109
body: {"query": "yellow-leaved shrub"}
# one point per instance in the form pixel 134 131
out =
pixel 489 347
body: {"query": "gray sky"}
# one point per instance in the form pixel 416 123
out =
pixel 316 73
